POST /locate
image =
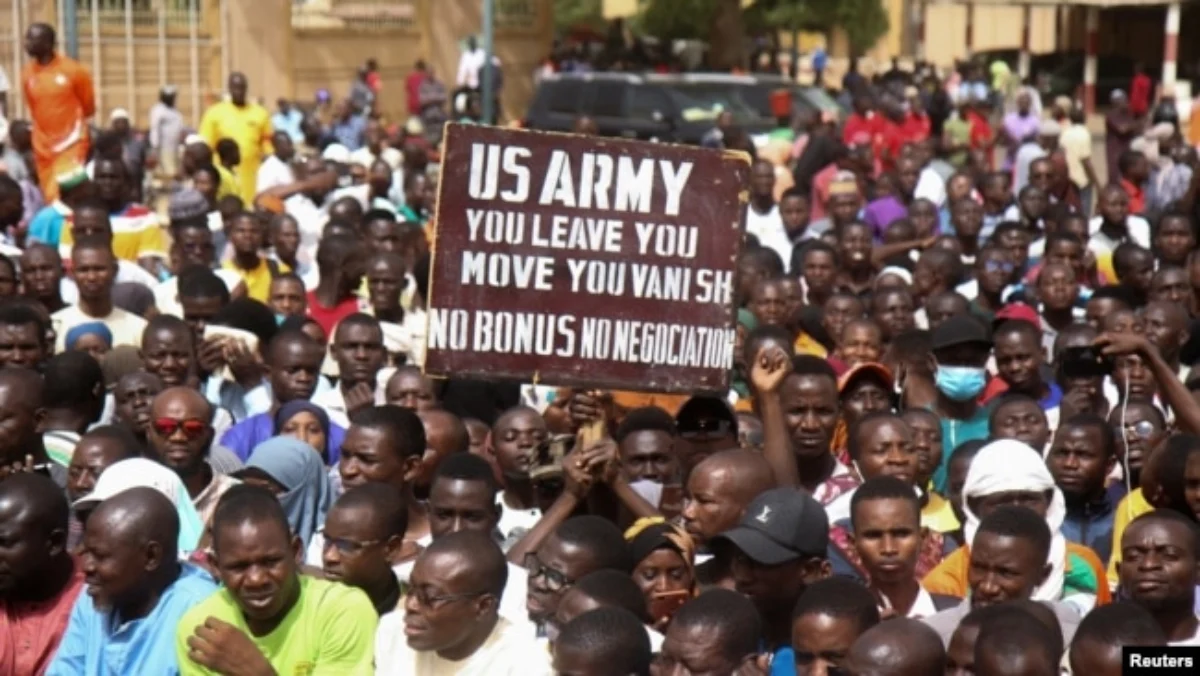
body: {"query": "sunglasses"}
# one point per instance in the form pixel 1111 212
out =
pixel 193 428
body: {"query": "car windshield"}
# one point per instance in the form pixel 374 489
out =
pixel 704 101
pixel 817 97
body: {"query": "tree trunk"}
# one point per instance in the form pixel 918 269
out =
pixel 725 36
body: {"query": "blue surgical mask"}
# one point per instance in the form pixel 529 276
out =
pixel 961 383
pixel 280 318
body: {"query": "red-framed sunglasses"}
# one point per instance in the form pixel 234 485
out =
pixel 193 428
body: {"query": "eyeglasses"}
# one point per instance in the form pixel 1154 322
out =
pixel 555 581
pixel 426 600
pixel 998 266
pixel 193 428
pixel 346 546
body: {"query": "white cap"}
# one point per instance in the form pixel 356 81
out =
pixel 1049 128
pixel 119 114
pixel 3 129
pixel 194 140
pixel 134 473
pixel 336 152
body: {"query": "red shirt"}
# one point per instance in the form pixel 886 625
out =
pixel 30 632
pixel 412 87
pixel 328 318
pixel 916 127
pixel 857 124
pixel 889 141
pixel 1139 94
pixel 1137 196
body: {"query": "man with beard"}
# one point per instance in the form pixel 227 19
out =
pixel 1158 572
pixel 268 618
pixel 180 437
pixel 137 590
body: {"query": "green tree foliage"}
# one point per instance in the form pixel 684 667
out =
pixel 864 21
pixel 571 13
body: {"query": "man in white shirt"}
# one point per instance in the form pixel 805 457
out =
pixel 451 621
pixel 1115 224
pixel 763 219
pixel 4 87
pixel 470 64
pixel 357 347
pixel 276 169
pixel 95 269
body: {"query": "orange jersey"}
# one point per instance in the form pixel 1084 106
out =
pixel 61 99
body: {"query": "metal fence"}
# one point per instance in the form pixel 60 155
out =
pixel 132 48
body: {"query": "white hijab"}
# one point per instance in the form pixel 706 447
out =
pixel 1008 465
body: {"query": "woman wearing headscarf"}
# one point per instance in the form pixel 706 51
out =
pixel 92 337
pixel 1007 472
pixel 664 567
pixel 140 472
pixel 293 471
pixel 301 419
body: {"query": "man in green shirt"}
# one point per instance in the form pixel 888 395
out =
pixel 267 618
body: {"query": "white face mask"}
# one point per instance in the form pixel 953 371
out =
pixel 650 491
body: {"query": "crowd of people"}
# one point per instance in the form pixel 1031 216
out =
pixel 962 434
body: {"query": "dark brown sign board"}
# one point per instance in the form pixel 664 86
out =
pixel 585 261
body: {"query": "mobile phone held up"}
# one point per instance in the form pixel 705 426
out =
pixel 1084 362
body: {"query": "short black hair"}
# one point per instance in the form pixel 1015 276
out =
pixel 765 258
pixel 1176 517
pixel 884 488
pixel 1058 236
pixel 1019 522
pixel 610 636
pixel 18 312
pixel 731 615
pixel 912 348
pixel 405 428
pixel 1018 327
pixel 645 419
pixel 1117 292
pixel 614 588
pixel 765 333
pixel 944 259
pixel 378 215
pixel 357 319
pixel 73 379
pixel 1018 643
pixel 130 446
pixel 1120 624
pixel 854 435
pixel 1108 438
pixel 467 467
pixel 385 501
pixel 210 169
pixel 839 597
pixel 199 281
pixel 600 539
pixel 1008 399
pixel 799 253
pixel 808 365
pixel 333 251
pixel 246 503
pixel 1127 159
pixel 249 315
pixel 967 450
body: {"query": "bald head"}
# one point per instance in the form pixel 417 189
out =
pixel 748 471
pixel 898 647
pixel 182 402
pixel 444 432
pixel 35 499
pixel 26 384
pixel 138 516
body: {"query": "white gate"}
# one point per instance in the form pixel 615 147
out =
pixel 132 48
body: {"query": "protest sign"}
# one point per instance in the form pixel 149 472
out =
pixel 578 260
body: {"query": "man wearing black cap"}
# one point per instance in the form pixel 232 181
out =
pixel 961 346
pixel 777 551
pixel 706 425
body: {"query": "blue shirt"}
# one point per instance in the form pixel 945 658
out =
pixel 349 132
pixel 245 435
pixel 783 662
pixel 1091 525
pixel 92 646
pixel 289 123
pixel 46 227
